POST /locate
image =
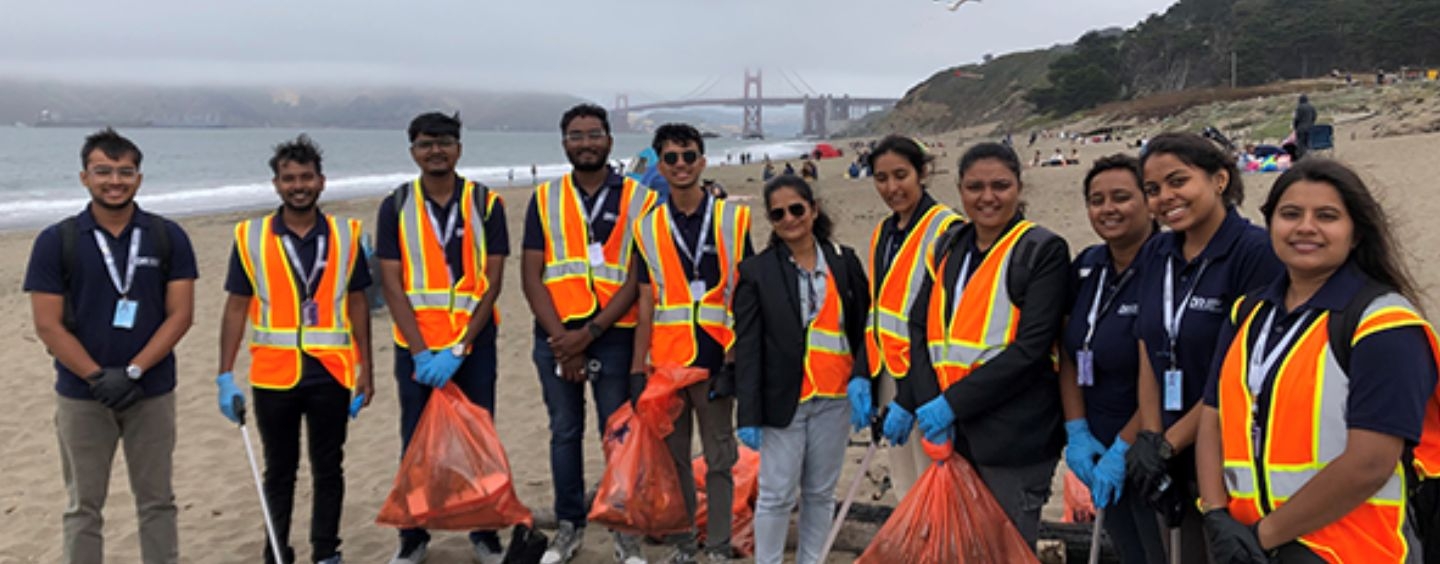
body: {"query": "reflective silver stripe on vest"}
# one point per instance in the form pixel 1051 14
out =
pixel 1001 310
pixel 343 244
pixel 477 222
pixel 429 300
pixel 713 314
pixel 635 207
pixel 896 322
pixel 411 235
pixel 608 273
pixel 827 341
pixel 680 314
pixel 567 265
pixel 890 323
pixel 729 218
pixel 1284 484
pixel 566 269
pixel 651 248
pixel 255 242
pixel 291 339
pixel 1240 480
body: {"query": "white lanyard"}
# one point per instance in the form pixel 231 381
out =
pixel 318 265
pixel 594 211
pixel 1261 363
pixel 684 247
pixel 1174 314
pixel 123 287
pixel 1099 307
pixel 960 282
pixel 449 231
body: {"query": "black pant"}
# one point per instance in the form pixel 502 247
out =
pixel 325 407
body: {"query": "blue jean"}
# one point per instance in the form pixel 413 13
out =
pixel 800 462
pixel 565 402
pixel 475 377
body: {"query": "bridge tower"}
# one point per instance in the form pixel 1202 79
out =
pixel 620 113
pixel 752 128
pixel 816 110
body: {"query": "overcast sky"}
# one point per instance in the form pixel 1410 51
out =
pixel 650 49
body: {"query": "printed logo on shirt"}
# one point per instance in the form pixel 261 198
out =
pixel 1085 271
pixel 610 217
pixel 1127 310
pixel 1207 305
pixel 708 249
pixel 147 261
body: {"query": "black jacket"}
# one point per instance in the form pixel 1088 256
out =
pixel 770 334
pixel 1007 412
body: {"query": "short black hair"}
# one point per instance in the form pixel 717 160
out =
pixel 585 110
pixel 435 124
pixel 990 150
pixel 110 143
pixel 1117 161
pixel 300 150
pixel 679 134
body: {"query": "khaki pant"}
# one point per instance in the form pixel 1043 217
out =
pixel 88 434
pixel 717 441
pixel 906 462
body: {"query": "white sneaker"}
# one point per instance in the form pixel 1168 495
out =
pixel 567 541
pixel 627 549
pixel 411 554
pixel 486 554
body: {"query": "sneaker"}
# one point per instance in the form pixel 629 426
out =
pixel 488 551
pixel 627 549
pixel 332 560
pixel 719 554
pixel 567 541
pixel 411 552
pixel 681 555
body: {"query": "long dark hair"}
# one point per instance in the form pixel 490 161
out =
pixel 822 227
pixel 1375 252
pixel 1200 153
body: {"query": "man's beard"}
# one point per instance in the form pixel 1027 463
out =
pixel 599 163
pixel 301 209
pixel 113 207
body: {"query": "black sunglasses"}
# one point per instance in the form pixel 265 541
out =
pixel 796 209
pixel 689 156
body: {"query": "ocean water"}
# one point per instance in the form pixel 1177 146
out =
pixel 191 171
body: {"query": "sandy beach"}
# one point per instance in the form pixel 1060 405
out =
pixel 219 514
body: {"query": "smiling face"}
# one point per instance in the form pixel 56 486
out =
pixel 1311 230
pixel 990 194
pixel 436 155
pixel 898 183
pixel 790 227
pixel 681 164
pixel 298 185
pixel 112 182
pixel 1183 196
pixel 587 145
pixel 1116 207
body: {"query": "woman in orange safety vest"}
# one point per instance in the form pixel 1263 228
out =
pixel 1319 393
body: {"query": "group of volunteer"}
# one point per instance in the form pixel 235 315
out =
pixel 1228 393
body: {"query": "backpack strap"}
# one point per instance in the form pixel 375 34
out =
pixel 1342 334
pixel 69 231
pixel 162 245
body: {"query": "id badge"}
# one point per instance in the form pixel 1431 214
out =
pixel 310 313
pixel 697 289
pixel 125 313
pixel 1085 364
pixel 597 254
pixel 1174 388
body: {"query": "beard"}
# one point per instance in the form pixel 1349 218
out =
pixel 113 207
pixel 306 208
pixel 575 161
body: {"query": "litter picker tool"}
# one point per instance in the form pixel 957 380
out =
pixel 1095 536
pixel 259 488
pixel 854 488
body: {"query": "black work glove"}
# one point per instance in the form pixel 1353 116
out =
pixel 637 387
pixel 1146 462
pixel 113 389
pixel 1232 542
pixel 722 383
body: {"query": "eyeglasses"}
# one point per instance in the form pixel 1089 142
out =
pixel 796 209
pixel 123 173
pixel 592 135
pixel 689 156
pixel 445 143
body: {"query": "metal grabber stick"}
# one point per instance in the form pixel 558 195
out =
pixel 854 488
pixel 1095 536
pixel 259 489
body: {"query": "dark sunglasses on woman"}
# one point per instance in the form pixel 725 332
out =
pixel 796 209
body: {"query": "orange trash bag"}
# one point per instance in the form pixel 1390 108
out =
pixel 640 491
pixel 1079 505
pixel 454 475
pixel 742 510
pixel 948 516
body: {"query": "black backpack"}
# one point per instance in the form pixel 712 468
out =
pixel 69 263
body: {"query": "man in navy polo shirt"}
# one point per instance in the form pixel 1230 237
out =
pixel 129 279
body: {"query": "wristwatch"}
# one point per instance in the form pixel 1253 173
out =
pixel 133 372
pixel 458 349
pixel 594 329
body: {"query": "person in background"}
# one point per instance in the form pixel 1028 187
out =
pixel 1187 279
pixel 794 406
pixel 1304 120
pixel 298 259
pixel 130 275
pixel 1099 355
pixel 577 275
pixel 689 251
pixel 900 247
pixel 990 308
pixel 441 235
pixel 1317 400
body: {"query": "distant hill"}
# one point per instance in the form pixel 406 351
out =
pixel 25 102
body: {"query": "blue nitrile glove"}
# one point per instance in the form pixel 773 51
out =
pixel 751 436
pixel 897 425
pixel 1081 450
pixel 935 417
pixel 1110 474
pixel 232 401
pixel 442 366
pixel 862 407
pixel 356 404
pixel 423 360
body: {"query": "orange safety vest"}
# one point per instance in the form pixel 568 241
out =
pixel 578 287
pixel 1305 429
pixel 887 330
pixel 828 362
pixel 279 339
pixel 677 313
pixel 442 304
pixel 984 319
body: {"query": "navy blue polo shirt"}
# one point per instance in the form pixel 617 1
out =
pixel 893 237
pixel 1238 259
pixel 95 295
pixel 600 229
pixel 1111 401
pixel 709 353
pixel 238 283
pixel 497 237
pixel 1391 374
